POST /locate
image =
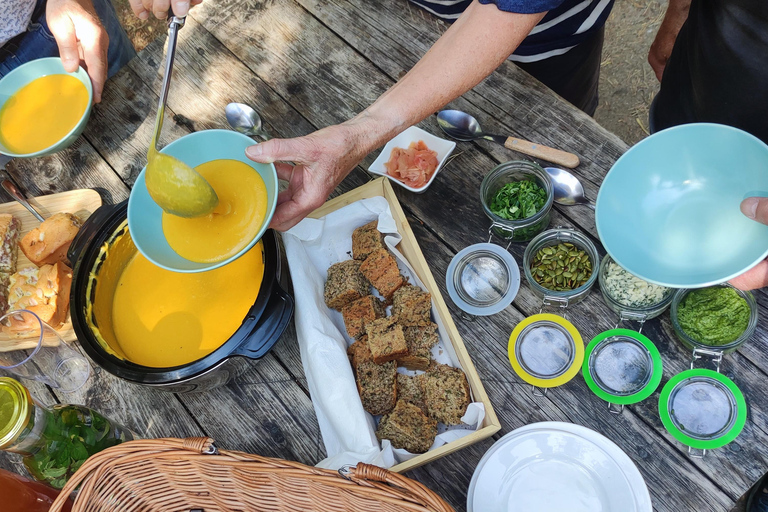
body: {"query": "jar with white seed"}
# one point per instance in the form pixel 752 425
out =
pixel 629 296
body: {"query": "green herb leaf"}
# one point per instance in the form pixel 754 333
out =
pixel 518 200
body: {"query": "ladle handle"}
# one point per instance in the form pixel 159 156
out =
pixel 19 196
pixel 556 156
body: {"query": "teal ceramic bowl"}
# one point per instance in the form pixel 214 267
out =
pixel 668 210
pixel 145 216
pixel 30 71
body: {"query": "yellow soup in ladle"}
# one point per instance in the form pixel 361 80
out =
pixel 234 222
pixel 42 113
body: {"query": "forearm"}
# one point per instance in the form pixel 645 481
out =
pixel 470 50
pixel 677 13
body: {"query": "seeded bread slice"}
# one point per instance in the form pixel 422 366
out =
pixel 420 340
pixel 345 284
pixel 366 239
pixel 407 427
pixel 10 229
pixel 412 305
pixel 360 313
pixel 380 268
pixel 411 390
pixel 446 393
pixel 386 339
pixel 377 386
pixel 359 352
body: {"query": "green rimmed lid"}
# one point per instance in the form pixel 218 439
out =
pixel 702 409
pixel 622 366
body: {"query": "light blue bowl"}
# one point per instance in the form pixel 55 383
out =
pixel 30 71
pixel 145 216
pixel 668 210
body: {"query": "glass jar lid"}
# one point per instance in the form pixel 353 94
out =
pixel 14 410
pixel 702 409
pixel 545 350
pixel 622 366
pixel 483 279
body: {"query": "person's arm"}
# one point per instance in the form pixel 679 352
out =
pixel 80 36
pixel 160 8
pixel 661 48
pixel 475 45
pixel 755 208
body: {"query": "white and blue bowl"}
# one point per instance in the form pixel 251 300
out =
pixel 145 217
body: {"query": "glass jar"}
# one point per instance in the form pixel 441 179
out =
pixel 553 237
pixel 509 172
pixel 637 313
pixel 54 442
pixel 700 348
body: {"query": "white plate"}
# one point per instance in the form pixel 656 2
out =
pixel 442 147
pixel 556 467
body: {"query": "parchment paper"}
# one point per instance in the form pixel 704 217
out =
pixel 348 431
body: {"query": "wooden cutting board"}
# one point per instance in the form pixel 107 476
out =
pixel 82 203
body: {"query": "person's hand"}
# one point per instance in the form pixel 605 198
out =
pixel 81 38
pixel 160 8
pixel 755 208
pixel 322 160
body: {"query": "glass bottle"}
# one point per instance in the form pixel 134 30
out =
pixel 23 495
pixel 54 442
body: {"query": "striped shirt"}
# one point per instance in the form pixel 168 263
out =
pixel 566 24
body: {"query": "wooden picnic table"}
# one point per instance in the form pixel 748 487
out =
pixel 305 64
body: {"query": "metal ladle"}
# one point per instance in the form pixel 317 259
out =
pixel 462 126
pixel 174 186
pixel 245 120
pixel 568 188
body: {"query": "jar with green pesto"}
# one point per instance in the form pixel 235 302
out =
pixel 718 318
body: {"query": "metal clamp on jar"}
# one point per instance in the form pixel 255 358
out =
pixel 622 367
pixel 632 298
pixel 516 230
pixel 711 353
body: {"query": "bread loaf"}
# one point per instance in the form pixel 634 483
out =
pixel 44 291
pixel 49 242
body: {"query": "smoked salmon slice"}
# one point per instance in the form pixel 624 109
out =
pixel 413 166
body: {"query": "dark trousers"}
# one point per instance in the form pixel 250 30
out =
pixel 573 75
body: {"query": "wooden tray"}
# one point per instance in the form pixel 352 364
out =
pixel 79 202
pixel 409 247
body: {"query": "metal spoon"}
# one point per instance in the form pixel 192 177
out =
pixel 174 186
pixel 15 192
pixel 245 120
pixel 462 126
pixel 568 188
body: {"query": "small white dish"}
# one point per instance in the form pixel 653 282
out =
pixel 554 466
pixel 442 147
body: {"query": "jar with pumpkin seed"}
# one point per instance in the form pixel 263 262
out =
pixel 561 265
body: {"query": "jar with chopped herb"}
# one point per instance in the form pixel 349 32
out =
pixel 629 296
pixel 54 442
pixel 719 318
pixel 517 197
pixel 561 265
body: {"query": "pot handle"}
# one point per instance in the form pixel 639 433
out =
pixel 270 326
pixel 90 229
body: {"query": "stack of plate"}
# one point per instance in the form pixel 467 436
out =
pixel 556 467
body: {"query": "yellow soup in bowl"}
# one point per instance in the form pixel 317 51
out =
pixel 232 225
pixel 42 113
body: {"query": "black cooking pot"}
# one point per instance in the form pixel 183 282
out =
pixel 261 328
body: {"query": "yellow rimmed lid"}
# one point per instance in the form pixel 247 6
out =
pixel 15 408
pixel 546 350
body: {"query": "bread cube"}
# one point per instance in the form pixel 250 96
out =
pixel 386 340
pixel 359 313
pixel 366 239
pixel 49 242
pixel 380 268
pixel 420 340
pixel 446 393
pixel 411 390
pixel 412 305
pixel 345 284
pixel 408 427
pixel 376 384
pixel 359 352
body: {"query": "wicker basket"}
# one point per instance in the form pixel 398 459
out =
pixel 182 475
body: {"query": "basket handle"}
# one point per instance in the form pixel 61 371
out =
pixel 370 473
pixel 201 445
